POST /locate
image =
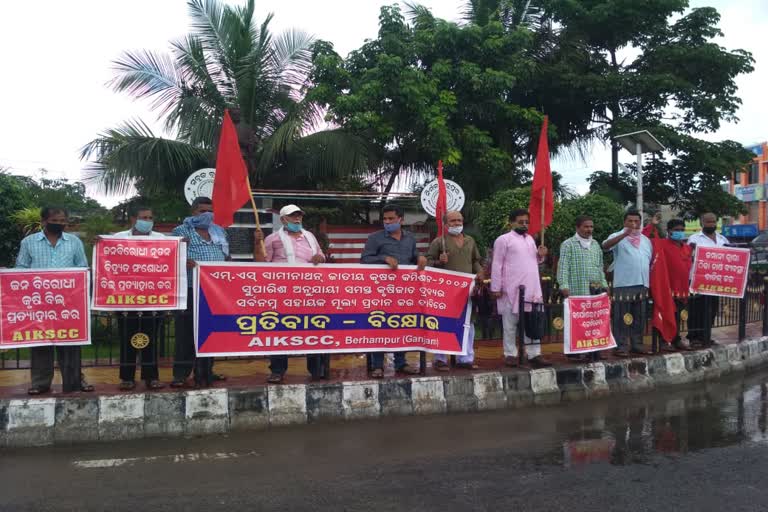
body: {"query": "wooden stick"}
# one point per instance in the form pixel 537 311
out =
pixel 255 214
pixel 543 207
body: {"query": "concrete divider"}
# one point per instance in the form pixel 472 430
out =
pixel 44 421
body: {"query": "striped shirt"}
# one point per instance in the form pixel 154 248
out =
pixel 579 267
pixel 200 249
pixel 37 252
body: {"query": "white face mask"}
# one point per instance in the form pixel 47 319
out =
pixel 455 230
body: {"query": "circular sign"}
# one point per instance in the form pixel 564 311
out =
pixel 139 340
pixel 558 323
pixel 454 197
pixel 628 319
pixel 199 184
pixel 684 315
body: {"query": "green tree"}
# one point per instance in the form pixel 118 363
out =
pixel 62 192
pixel 228 60
pixel 16 197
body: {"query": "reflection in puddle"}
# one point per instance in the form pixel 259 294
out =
pixel 671 424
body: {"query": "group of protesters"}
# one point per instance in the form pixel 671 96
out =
pixel 516 258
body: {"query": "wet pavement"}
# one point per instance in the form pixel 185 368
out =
pixel 702 447
pixel 247 373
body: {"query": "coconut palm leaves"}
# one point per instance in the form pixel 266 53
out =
pixel 227 60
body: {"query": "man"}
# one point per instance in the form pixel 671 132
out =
pixel 142 222
pixel 632 253
pixel 704 308
pixel 290 244
pixel 457 252
pixel 392 246
pixel 205 242
pixel 53 248
pixel 516 263
pixel 677 255
pixel 580 269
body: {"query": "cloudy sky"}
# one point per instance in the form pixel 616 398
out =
pixel 56 61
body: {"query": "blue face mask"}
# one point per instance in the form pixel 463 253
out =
pixel 293 227
pixel 143 226
pixel 202 221
pixel 391 228
pixel 677 235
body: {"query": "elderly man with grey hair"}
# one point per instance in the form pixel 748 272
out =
pixel 457 252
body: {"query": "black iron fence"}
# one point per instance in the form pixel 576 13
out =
pixel 153 334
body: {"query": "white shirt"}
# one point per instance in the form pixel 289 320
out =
pixel 700 239
pixel 124 234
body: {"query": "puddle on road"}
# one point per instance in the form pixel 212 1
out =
pixel 636 430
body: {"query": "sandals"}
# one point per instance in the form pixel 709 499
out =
pixel 275 378
pixel 127 385
pixel 84 386
pixel 378 373
pixel 217 377
pixel 155 384
pixel 408 370
pixel 467 366
pixel 441 366
pixel 36 390
pixel 178 384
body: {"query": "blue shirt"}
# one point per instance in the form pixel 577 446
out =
pixel 381 244
pixel 37 252
pixel 200 249
pixel 631 265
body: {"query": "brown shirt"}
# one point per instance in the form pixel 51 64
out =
pixel 460 259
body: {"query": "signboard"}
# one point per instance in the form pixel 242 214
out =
pixel 453 192
pixel 749 193
pixel 140 273
pixel 720 271
pixel 587 324
pixel 264 308
pixel 199 184
pixel 44 307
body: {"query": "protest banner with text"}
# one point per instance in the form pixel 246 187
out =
pixel 720 271
pixel 44 307
pixel 263 309
pixel 587 324
pixel 139 273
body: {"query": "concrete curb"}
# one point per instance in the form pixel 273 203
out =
pixel 46 421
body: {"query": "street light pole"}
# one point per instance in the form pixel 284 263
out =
pixel 639 152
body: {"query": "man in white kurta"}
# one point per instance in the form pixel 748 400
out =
pixel 516 263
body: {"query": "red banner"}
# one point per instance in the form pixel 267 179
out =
pixel 264 308
pixel 720 271
pixel 44 307
pixel 587 324
pixel 139 273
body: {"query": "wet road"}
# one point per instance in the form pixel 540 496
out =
pixel 700 448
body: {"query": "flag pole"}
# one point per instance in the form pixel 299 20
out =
pixel 255 213
pixel 543 207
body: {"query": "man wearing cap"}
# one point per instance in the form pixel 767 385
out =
pixel 294 245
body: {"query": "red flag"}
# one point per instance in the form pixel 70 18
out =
pixel 542 199
pixel 231 189
pixel 663 304
pixel 442 199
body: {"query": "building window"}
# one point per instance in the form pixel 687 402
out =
pixel 754 173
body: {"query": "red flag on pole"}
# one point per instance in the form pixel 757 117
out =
pixel 661 291
pixel 442 199
pixel 542 199
pixel 231 189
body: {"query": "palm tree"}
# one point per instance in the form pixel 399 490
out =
pixel 227 61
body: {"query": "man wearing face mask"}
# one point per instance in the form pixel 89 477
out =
pixel 291 244
pixel 53 248
pixel 392 246
pixel 142 222
pixel 704 308
pixel 457 252
pixel 632 253
pixel 677 255
pixel 205 242
pixel 516 263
